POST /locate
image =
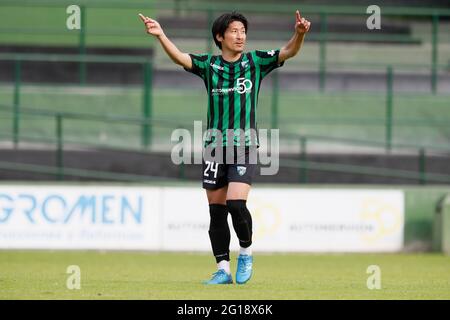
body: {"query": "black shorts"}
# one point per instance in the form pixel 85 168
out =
pixel 218 171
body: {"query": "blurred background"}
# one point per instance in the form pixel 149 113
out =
pixel 355 106
pixel 87 114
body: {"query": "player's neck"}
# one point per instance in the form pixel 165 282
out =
pixel 231 56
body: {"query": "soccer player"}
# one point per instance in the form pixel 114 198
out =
pixel 232 80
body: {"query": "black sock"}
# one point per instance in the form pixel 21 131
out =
pixel 219 232
pixel 242 221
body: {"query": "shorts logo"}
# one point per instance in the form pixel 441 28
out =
pixel 271 52
pixel 241 170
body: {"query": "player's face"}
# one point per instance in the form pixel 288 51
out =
pixel 234 37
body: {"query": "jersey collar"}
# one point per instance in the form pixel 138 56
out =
pixel 234 62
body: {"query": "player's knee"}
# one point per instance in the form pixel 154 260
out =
pixel 242 221
pixel 219 215
pixel 238 210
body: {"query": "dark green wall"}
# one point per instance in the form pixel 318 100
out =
pixel 420 208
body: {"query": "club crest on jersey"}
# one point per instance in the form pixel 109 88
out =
pixel 244 64
pixel 241 170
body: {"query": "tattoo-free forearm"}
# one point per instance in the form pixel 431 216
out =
pixel 292 47
pixel 174 53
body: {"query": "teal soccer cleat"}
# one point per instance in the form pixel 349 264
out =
pixel 220 277
pixel 244 268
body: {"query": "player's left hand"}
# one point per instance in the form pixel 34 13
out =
pixel 301 24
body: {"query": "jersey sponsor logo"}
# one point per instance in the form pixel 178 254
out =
pixel 215 66
pixel 241 170
pixel 216 91
pixel 242 86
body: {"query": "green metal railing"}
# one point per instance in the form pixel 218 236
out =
pixel 59 140
pixel 389 93
pixel 423 177
pixel 303 164
pixel 210 10
pixel 147 70
pixel 81 173
pixel 324 12
pixel 147 100
pixel 82 44
pixel 148 119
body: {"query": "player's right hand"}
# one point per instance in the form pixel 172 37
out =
pixel 151 26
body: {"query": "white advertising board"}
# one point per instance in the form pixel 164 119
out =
pixel 323 220
pixel 294 220
pixel 82 217
pixel 177 218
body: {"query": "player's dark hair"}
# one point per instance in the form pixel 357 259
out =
pixel 221 24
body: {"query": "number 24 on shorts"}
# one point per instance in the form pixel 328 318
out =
pixel 211 166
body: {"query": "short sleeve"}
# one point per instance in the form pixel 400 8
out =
pixel 199 65
pixel 267 61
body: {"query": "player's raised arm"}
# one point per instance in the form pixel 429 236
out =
pixel 153 27
pixel 293 46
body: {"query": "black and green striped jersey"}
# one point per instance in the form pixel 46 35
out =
pixel 233 89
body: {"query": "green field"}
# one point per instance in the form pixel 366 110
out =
pixel 141 275
pixel 347 115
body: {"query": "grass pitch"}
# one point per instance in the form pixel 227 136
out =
pixel 149 275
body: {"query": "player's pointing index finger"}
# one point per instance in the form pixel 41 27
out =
pixel 297 13
pixel 144 19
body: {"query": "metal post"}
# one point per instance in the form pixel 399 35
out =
pixel 323 52
pixel 389 106
pixel 177 8
pixel 82 45
pixel 59 147
pixel 434 53
pixel 146 132
pixel 209 46
pixel 422 166
pixel 303 178
pixel 16 103
pixel 275 95
pixel 181 172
